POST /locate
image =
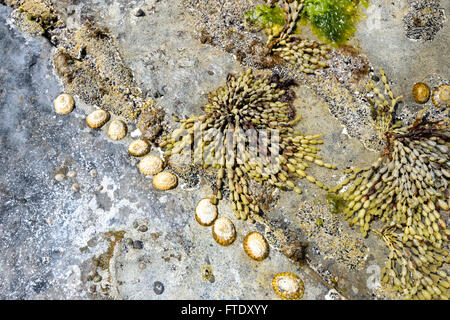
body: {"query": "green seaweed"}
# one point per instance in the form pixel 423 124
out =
pixel 266 17
pixel 336 202
pixel 319 222
pixel 333 21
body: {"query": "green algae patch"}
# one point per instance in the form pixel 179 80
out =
pixel 336 202
pixel 265 17
pixel 333 21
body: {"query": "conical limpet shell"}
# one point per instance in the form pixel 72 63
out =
pixel 150 165
pixel 441 96
pixel 165 180
pixel 256 246
pixel 97 118
pixel 64 104
pixel 288 286
pixel 117 130
pixel 421 92
pixel 205 212
pixel 223 231
pixel 139 148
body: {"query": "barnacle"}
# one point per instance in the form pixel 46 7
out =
pixel 246 134
pixel 406 187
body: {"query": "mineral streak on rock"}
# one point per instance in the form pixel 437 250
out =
pixel 100 280
pixel 407 188
pixel 246 134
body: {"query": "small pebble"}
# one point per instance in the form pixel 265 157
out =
pixel 138 245
pixel 158 287
pixel 59 177
pixel 100 188
pixel 93 173
pixel 71 174
pixel 76 187
pixel 143 229
pixel 97 278
pixel 129 242
pixel 138 12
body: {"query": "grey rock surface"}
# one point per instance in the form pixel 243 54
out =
pixel 58 242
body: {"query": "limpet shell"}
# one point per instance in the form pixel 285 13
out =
pixel 288 286
pixel 421 92
pixel 256 246
pixel 150 165
pixel 64 104
pixel 97 118
pixel 223 231
pixel 441 96
pixel 139 148
pixel 165 180
pixel 205 212
pixel 117 130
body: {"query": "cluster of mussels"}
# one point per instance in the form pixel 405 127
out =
pixel 246 133
pixel 306 55
pixel 407 188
